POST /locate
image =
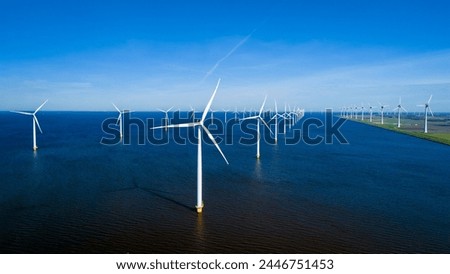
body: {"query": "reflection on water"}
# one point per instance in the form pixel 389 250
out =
pixel 257 173
pixel 199 233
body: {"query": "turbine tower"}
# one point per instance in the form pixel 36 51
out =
pixel 427 109
pixel 35 122
pixel 200 125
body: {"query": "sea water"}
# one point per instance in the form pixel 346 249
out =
pixel 383 192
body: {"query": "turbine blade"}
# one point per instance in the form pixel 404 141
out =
pixel 421 105
pixel 39 108
pixel 261 109
pixel 170 109
pixel 208 106
pixel 429 100
pixel 276 108
pixel 264 122
pixel 37 123
pixel 404 109
pixel 211 137
pixel 177 125
pixel 161 110
pixel 431 112
pixel 116 107
pixel 22 112
pixel 248 118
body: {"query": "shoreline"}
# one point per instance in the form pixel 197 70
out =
pixel 441 138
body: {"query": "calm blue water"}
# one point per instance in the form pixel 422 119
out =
pixel 382 193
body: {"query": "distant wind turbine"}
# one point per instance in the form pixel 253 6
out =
pixel 275 116
pixel 427 109
pixel 120 120
pixel 382 112
pixel 236 112
pixel 225 114
pixel 371 112
pixel 362 112
pixel 35 122
pixel 166 117
pixel 259 118
pixel 399 109
pixel 200 125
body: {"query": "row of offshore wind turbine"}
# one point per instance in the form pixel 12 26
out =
pixel 352 111
pixel 289 118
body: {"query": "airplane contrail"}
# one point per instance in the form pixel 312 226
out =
pixel 216 65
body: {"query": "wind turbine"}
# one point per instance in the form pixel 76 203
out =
pixel 119 120
pixel 258 119
pixel 370 112
pixel 235 113
pixel 200 125
pixel 212 116
pixel 399 108
pixel 275 116
pixel 225 112
pixel 427 109
pixel 35 122
pixel 362 112
pixel 382 112
pixel 166 118
pixel 193 112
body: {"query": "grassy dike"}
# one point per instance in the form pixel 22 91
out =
pixel 442 138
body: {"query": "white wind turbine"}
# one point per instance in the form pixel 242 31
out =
pixel 427 109
pixel 371 112
pixel 399 109
pixel 225 113
pixel 382 112
pixel 200 125
pixel 119 120
pixel 166 117
pixel 362 112
pixel 258 119
pixel 35 122
pixel 212 116
pixel 275 116
pixel 236 112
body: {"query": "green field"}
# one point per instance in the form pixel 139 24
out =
pixel 438 127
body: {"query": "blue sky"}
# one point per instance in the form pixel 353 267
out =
pixel 143 55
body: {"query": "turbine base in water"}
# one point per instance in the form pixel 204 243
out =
pixel 199 208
